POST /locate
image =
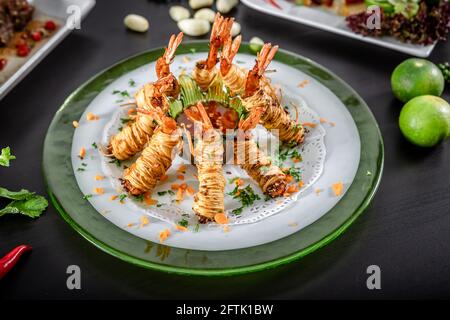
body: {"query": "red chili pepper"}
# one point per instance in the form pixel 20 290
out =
pixel 50 25
pixel 275 4
pixel 8 261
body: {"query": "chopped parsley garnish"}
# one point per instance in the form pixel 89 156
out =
pixel 131 83
pixel 162 193
pixel 296 173
pixel 94 145
pixel 284 154
pixel 267 197
pixel 6 156
pixel 80 169
pixel 193 50
pixel 139 198
pixel 183 223
pixel 124 120
pixel 87 196
pixel 122 197
pixel 116 161
pixel 84 164
pixel 245 195
pixel 264 169
pixel 123 93
pixel 121 128
pixel 159 205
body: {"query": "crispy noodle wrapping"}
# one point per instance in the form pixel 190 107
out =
pixel 276 117
pixel 250 158
pixel 202 76
pixel 152 164
pixel 235 79
pixel 209 200
pixel 132 138
pixel 135 135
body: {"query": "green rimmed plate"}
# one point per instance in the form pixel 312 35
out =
pixel 79 213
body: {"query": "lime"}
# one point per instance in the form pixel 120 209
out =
pixel 425 120
pixel 416 77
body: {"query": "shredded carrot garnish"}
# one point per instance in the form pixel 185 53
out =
pixel 300 184
pixel 99 191
pixel 164 178
pixel 310 124
pixel 179 197
pixel 181 228
pixel 175 186
pixel 332 124
pixel 292 188
pixel 148 199
pixel 112 198
pixel 323 120
pixel 98 178
pixel 239 182
pixel 296 160
pixel 75 124
pixel 226 229
pixel 288 178
pixel 82 153
pixel 144 221
pixel 303 83
pixel 90 116
pixel 181 169
pixel 180 177
pixel 130 225
pixel 190 190
pixel 337 188
pixel 163 235
pixel 221 218
pixel 131 111
pixel 183 186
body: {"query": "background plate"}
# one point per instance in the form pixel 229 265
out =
pixel 67 197
pixel 317 18
pixel 52 8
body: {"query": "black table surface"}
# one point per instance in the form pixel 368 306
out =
pixel 405 231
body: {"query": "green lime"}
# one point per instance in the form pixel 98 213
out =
pixel 416 77
pixel 425 120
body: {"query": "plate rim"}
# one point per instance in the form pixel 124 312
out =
pixel 231 270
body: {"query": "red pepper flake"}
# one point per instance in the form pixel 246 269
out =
pixel 50 25
pixel 23 50
pixel 274 3
pixel 3 63
pixel 36 36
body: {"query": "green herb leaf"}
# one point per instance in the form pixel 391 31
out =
pixel 183 223
pixel 122 197
pixel 245 195
pixel 16 195
pixel 116 161
pixel 87 196
pixel 31 207
pixel 296 173
pixel 94 145
pixel 6 156
pixel 131 83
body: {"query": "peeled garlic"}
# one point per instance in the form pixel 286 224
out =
pixel 225 6
pixel 235 29
pixel 194 27
pixel 136 23
pixel 196 4
pixel 256 44
pixel 205 14
pixel 179 13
